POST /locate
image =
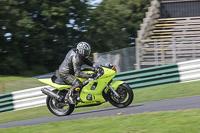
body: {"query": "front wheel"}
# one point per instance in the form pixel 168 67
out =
pixel 126 96
pixel 59 108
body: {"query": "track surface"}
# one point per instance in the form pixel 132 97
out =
pixel 164 105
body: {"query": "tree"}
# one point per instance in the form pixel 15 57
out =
pixel 35 35
pixel 40 33
pixel 114 22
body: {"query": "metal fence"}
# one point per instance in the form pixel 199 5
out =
pixel 124 59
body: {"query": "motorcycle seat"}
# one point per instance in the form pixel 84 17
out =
pixel 58 80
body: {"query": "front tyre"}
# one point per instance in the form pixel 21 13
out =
pixel 59 108
pixel 126 96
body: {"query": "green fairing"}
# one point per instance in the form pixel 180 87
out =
pixel 48 81
pixel 115 84
pixel 101 82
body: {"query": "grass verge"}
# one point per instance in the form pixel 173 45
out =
pixel 16 83
pixel 159 122
pixel 156 93
pixel 6 79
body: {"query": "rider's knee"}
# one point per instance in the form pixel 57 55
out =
pixel 77 83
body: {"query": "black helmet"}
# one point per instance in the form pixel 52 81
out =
pixel 83 49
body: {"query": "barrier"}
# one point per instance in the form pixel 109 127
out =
pixel 23 99
pixel 189 70
pixel 150 76
pixel 181 72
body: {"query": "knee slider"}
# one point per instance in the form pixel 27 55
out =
pixel 77 89
pixel 77 85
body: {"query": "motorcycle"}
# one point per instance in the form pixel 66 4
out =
pixel 95 91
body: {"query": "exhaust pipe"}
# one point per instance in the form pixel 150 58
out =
pixel 50 93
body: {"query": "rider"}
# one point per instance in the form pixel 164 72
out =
pixel 71 66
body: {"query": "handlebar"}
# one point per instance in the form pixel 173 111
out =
pixel 98 75
pixel 99 71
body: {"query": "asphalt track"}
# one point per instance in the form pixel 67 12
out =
pixel 164 105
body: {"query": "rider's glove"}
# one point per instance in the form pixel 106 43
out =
pixel 93 75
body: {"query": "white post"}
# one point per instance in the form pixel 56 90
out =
pixel 116 62
pixel 95 57
pixel 108 58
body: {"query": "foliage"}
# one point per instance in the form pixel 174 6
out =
pixel 114 23
pixel 35 35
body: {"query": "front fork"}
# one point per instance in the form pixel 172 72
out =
pixel 114 85
pixel 116 94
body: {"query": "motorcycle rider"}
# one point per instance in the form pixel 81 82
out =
pixel 71 66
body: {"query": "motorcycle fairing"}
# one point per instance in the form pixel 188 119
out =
pixel 116 84
pixel 97 96
pixel 101 84
pixel 48 81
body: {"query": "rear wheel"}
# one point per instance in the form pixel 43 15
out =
pixel 126 96
pixel 59 108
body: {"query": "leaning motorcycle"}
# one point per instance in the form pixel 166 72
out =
pixel 95 91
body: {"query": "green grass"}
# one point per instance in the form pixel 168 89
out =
pixel 7 79
pixel 167 91
pixel 156 93
pixel 22 84
pixel 159 122
pixel 16 83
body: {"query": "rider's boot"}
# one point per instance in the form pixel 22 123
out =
pixel 70 97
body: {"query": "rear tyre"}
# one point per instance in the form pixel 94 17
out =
pixel 59 108
pixel 126 96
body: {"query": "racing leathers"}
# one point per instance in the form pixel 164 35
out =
pixel 72 66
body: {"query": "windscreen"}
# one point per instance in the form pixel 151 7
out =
pixel 101 62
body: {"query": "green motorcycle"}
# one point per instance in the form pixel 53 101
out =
pixel 95 91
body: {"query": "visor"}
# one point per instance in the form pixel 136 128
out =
pixel 87 53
